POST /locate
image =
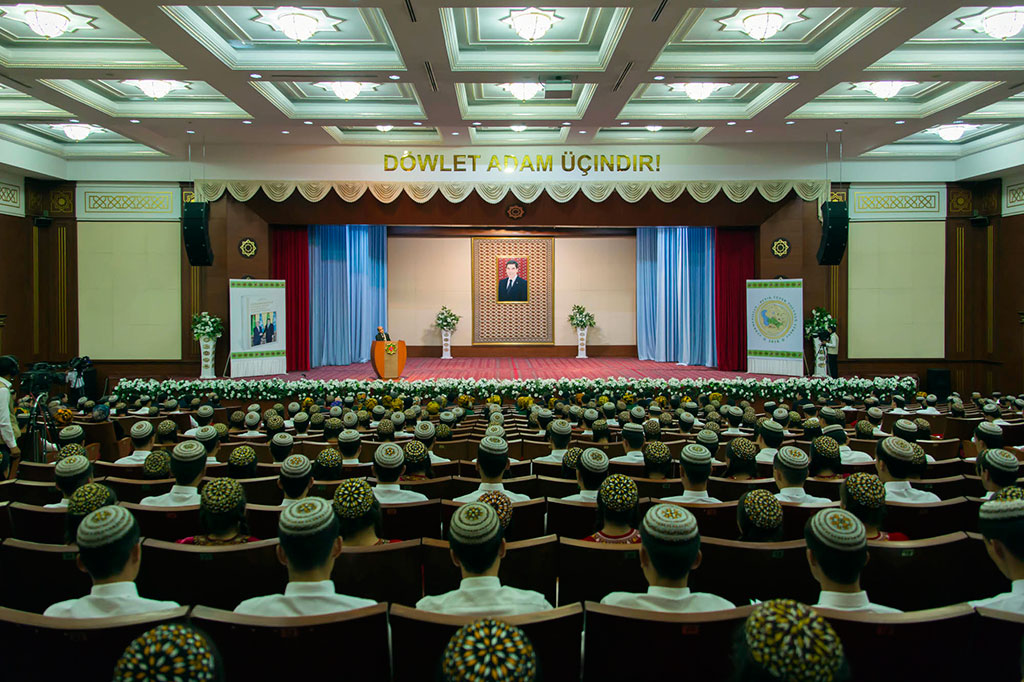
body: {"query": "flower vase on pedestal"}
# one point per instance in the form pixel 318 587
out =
pixel 207 346
pixel 581 343
pixel 446 344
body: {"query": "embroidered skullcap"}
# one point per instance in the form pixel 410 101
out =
pixel 544 413
pixel 335 411
pixel 792 642
pixel 157 464
pixel 474 523
pixel 695 453
pixel 763 510
pixel 206 433
pixel 743 448
pixel 772 425
pixel 495 430
pixel 875 412
pixel 496 418
pixel 296 466
pixel 385 426
pixel 252 419
pixel 686 418
pixel 864 428
pixel 590 414
pixel 594 460
pixel 274 422
pixel 300 418
pixel 493 445
pixel 652 427
pixel 397 419
pixel 242 456
pixel 865 489
pixel 307 516
pixel 353 498
pixel 924 427
pixel 447 417
pixel 334 424
pixel 72 432
pixel 254 407
pixel 656 452
pixel 143 429
pixel 572 457
pixel 498 501
pixel 293 407
pixel 389 456
pixel 560 426
pixel 170 404
pixel 349 420
pixel 826 446
pixel 1002 510
pixel 329 458
pixel 637 412
pixel 105 525
pixel 1010 492
pixel 708 438
pixel 222 495
pixel 623 417
pixel 920 457
pixel 832 428
pixel 897 448
pixel 458 412
pixel 171 652
pixel 792 457
pixel 205 411
pixel 75 465
pixel 905 425
pixel 634 428
pixel 188 451
pixel 811 423
pixel 443 431
pixel 349 436
pixel 997 458
pixel 990 408
pixel 670 523
pixel 489 650
pixel 838 529
pixel 237 417
pixel 283 440
pixel 829 412
pixel 780 414
pixel 90 497
pixel 618 492
pixel 425 429
pixel 415 452
pixel 986 428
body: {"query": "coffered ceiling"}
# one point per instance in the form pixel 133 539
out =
pixel 432 73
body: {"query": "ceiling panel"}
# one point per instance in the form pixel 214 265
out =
pixel 737 100
pixel 390 100
pixel 490 101
pixel 847 100
pixel 193 99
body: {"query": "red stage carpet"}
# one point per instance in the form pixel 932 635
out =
pixel 526 368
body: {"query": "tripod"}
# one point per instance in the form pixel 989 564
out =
pixel 37 432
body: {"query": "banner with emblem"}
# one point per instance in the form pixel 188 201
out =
pixel 775 322
pixel 257 326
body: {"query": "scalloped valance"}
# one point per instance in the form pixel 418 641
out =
pixel 526 192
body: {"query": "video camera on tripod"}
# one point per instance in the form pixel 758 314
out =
pixel 41 376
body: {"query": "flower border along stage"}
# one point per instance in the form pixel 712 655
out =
pixel 510 389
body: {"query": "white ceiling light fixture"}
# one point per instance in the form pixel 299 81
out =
pixel 531 23
pixel 522 91
pixel 154 88
pixel 998 22
pixel 77 131
pixel 884 89
pixel 346 90
pixel 517 128
pixel 48 21
pixel 697 91
pixel 953 132
pixel 297 23
pixel 762 23
pixel 653 128
pixel 384 128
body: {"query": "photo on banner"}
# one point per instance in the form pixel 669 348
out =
pixel 257 327
pixel 513 290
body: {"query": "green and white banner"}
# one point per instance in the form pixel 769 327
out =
pixel 775 322
pixel 257 327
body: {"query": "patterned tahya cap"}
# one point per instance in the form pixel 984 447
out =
pixel 385 426
pixel 875 412
pixel 301 417
pixel 334 412
pixel 274 422
pixel 296 466
pixel 237 417
pixel 792 642
pixel 205 411
pixel 222 495
pixel 772 425
pixel 495 430
pixel 990 408
pixel 424 429
pixel 997 458
pixel 143 429
pixel 832 428
pixel 72 432
pixel 105 525
pixel 415 452
pixel 206 433
pixel 254 407
pixel 222 429
pixel 708 439
pixel 307 516
pixel 811 423
pixel 560 426
pixel 329 458
pixel 500 503
pixel 865 489
pixel 443 431
pixel 252 420
pixel 489 650
pixel 780 414
pixel 188 451
pixel 397 419
pixel 590 414
pixel 447 417
pixel 171 652
pixel 90 497
pixel 986 428
pixel 920 457
pixel 637 412
pixel 905 425
pixel 349 436
pixel 695 453
pixel 170 404
pixel 594 460
pixel 1010 492
pixel 743 448
pixel 572 457
pixel 378 411
pixel 389 456
pixel 458 412
pixel 353 498
pixel 652 427
pixel 293 407
pixel 897 448
pixel 474 523
pixel 670 523
pixel 165 428
pixel 763 510
pixel 618 492
pixel 157 464
pixel 242 456
pixel 838 529
pixel 494 445
pixel 656 452
pixel 75 465
pixel 1002 510
pixel 334 424
pixel 792 457
pixel 350 420
pixel 283 440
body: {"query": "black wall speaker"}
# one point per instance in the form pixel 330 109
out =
pixel 195 229
pixel 980 221
pixel 939 382
pixel 835 223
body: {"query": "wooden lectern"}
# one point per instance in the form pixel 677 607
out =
pixel 388 358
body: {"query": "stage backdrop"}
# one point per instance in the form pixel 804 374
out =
pixel 513 290
pixel 775 325
pixel 258 325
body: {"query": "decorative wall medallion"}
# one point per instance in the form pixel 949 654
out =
pixel 515 211
pixel 62 201
pixel 247 247
pixel 960 201
pixel 780 248
pixel 188 196
pixel 837 195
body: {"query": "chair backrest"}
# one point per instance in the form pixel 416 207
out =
pixel 37 524
pixel 5 520
pixel 960 428
pixel 996 645
pixel 111 470
pixel 262 490
pixel 89 648
pixel 133 490
pixel 219 576
pixel 454 449
pixel 433 488
pixel 728 490
pixel 548 469
pixel 165 523
pixel 741 571
pixel 34 492
pixel 571 519
pixel 795 517
pixel 713 520
pixel 267 648
pixel 527 519
pixel 384 573
pixel 588 571
pixel 941 450
pixel 418 640
pixel 665 487
pixel 662 644
pixel 534 449
pixel 102 433
pixel 411 520
pixel 36 471
pixel 928 520
pixel 262 520
pixel 554 487
pixel 946 486
pixel 35 575
pixel 528 565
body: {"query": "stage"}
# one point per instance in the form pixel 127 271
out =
pixel 524 368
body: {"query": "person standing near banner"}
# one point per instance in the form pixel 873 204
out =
pixel 820 361
pixel 832 352
pixel 8 424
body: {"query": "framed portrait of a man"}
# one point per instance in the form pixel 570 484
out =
pixel 513 290
pixel 513 286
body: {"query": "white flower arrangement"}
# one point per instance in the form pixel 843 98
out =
pixel 206 326
pixel 446 319
pixel 579 318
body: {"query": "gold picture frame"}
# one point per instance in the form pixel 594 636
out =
pixel 536 312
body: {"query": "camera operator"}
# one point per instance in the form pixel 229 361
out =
pixel 9 431
pixel 832 351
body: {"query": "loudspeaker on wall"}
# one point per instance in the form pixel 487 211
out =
pixel 835 222
pixel 195 229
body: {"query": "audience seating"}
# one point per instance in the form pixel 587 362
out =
pixel 727 490
pixel 324 489
pixel 418 639
pixel 741 571
pixel 261 490
pixel 942 473
pixel 557 488
pixel 590 570
pixel 133 490
pixel 220 576
pixel 411 520
pixel 795 517
pixel 996 645
pixel 385 573
pixel 5 520
pixel 928 520
pixel 630 644
pixel 34 492
pixel 103 469
pixel 824 487
pixel 50 570
pixel 103 433
pixel 571 519
pixel 960 428
pixel 665 487
pixel 165 523
pixel 36 471
pixel 270 648
pixel 527 519
pixel 526 485
pixel 941 450
pixel 433 488
pixel 262 520
pixel 37 524
pixel 548 470
pixel 451 449
pixel 467 469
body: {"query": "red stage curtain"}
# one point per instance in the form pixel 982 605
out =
pixel 734 265
pixel 290 262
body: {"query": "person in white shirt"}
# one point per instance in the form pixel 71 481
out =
pixel 477 545
pixel 9 430
pixel 695 461
pixel 425 432
pixel 143 436
pixel 590 415
pixel 1001 523
pixel 491 463
pixel 309 545
pixel 591 470
pixel 110 552
pixel 632 443
pixel 210 440
pixel 734 414
pixel 388 467
pixel 70 474
pixel 188 466
pixel 296 479
pixel 657 460
pixel 204 416
pixel 875 417
pixel 899 405
pixel 669 551
pixel 559 433
pixel 350 444
pixel 895 464
pixel 997 469
pixel 931 400
pixel 837 551
pixel 847 455
pixel 790 471
pixel 770 435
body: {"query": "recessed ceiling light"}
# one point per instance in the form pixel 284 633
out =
pixel 191 132
pixel 839 130
pixel 749 131
pixel 731 123
pixel 394 77
pixel 247 122
pixel 583 132
pixel 417 123
pixel 793 77
pixel 899 123
pixel 384 128
pixel 255 76
pixel 455 132
pixel 309 123
pixel 73 120
pixel 517 128
pixel 653 128
pixel 133 120
pixel 476 123
pixel 566 123
pixel 624 123
pixel 659 78
pixel 789 123
pixel 286 132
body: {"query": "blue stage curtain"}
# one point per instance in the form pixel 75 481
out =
pixel 675 294
pixel 348 290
